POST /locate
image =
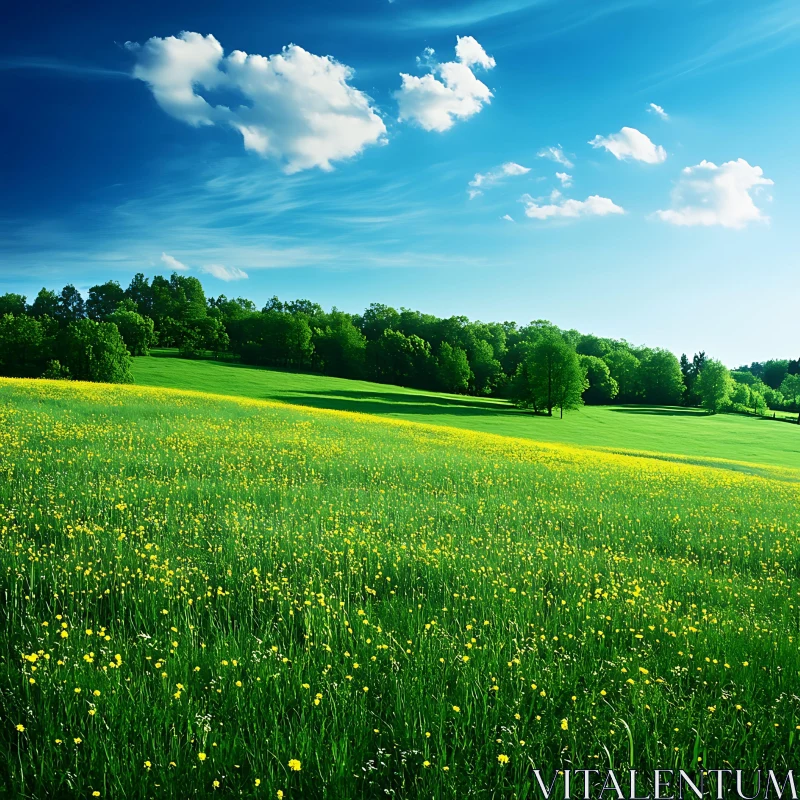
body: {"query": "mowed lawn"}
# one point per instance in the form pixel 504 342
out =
pixel 679 431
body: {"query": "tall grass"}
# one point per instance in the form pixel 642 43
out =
pixel 207 596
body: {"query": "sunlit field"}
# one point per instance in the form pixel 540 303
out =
pixel 204 596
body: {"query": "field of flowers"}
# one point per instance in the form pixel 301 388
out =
pixel 202 596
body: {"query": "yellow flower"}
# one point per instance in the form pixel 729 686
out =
pixel 258 781
pixel 202 756
pixel 564 725
pixel 502 758
pixel 20 728
pixel 457 709
pixel 95 793
pixel 294 764
pixel 426 764
pixel 216 784
pixel 147 765
pixel 280 794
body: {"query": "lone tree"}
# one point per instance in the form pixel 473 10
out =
pixel 714 385
pixel 551 377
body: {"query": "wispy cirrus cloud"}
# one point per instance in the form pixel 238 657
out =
pixel 172 263
pixel 483 180
pixel 65 67
pixel 223 273
pixel 555 154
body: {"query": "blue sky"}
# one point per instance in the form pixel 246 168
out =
pixel 319 172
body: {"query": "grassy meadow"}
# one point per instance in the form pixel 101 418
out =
pixel 683 431
pixel 207 596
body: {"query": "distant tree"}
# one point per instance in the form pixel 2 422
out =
pixel 792 368
pixel 140 292
pixel 486 369
pixel 790 389
pixel 744 376
pixel 661 377
pixel 103 300
pixel 554 377
pixel 774 372
pixel 95 351
pixel 45 304
pixel 23 346
pixel 714 385
pixel 625 368
pixel 137 331
pixel 339 347
pixel 453 369
pixel 13 304
pixel 71 307
pixel 400 359
pixel 602 388
pixel 591 345
pixel 376 319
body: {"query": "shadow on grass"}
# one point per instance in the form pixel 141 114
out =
pixel 393 403
pixel 662 412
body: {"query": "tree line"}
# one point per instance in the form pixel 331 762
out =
pixel 538 365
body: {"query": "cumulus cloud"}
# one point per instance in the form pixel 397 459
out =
pixel 593 206
pixel 173 262
pixel 630 143
pixel 555 154
pixel 707 194
pixel 507 218
pixel 449 92
pixel 224 273
pixel 295 107
pixel 493 176
pixel 566 180
pixel 657 110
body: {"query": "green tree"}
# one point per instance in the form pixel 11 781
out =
pixel 790 389
pixel 24 346
pixel 45 304
pixel 71 307
pixel 453 369
pixel 486 369
pixel 400 359
pixel 554 377
pixel 602 388
pixel 103 300
pixel 137 331
pixel 625 369
pixel 661 377
pixel 13 304
pixel 774 372
pixel 339 347
pixel 95 351
pixel 714 385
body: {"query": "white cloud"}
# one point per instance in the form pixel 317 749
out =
pixel 566 180
pixel 297 107
pixel 449 92
pixel 173 262
pixel 224 273
pixel 657 110
pixel 507 218
pixel 630 143
pixel 493 176
pixel 710 195
pixel 593 206
pixel 555 154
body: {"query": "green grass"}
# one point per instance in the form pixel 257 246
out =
pixel 395 606
pixel 680 431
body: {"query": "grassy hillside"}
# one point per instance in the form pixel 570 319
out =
pixel 203 594
pixel 681 431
